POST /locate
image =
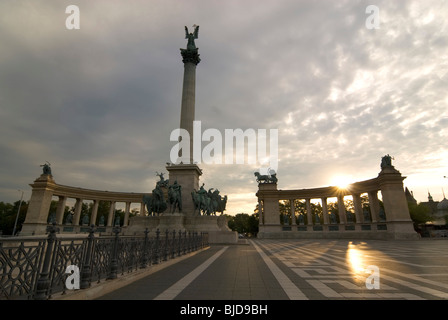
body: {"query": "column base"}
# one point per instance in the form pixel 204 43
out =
pixel 187 176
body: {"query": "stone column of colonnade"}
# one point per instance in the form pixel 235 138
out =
pixel 126 213
pixel 358 207
pixel 309 214
pixel 60 209
pixel 342 210
pixel 292 211
pixel 325 211
pixel 77 213
pixel 94 212
pixel 110 216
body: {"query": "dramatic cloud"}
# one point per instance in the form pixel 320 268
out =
pixel 99 103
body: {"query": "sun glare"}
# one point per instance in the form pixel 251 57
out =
pixel 341 182
pixel 355 261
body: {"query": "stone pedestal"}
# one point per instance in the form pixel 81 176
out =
pixel 187 175
pixel 399 223
pixel 171 222
pixel 37 214
pixel 215 226
pixel 267 193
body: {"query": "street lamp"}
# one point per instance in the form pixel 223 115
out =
pixel 18 211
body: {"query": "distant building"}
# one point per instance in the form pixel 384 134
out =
pixel 410 196
pixel 442 211
pixel 437 209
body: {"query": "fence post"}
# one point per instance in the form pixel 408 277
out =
pixel 43 283
pixel 173 244
pixel 184 246
pixel 179 244
pixel 195 237
pixel 201 243
pixel 156 247
pixel 114 258
pixel 189 242
pixel 145 249
pixel 165 250
pixel 86 273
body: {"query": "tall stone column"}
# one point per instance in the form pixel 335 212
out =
pixel 190 58
pixel 187 173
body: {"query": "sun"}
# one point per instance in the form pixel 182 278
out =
pixel 342 182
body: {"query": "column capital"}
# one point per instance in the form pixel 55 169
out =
pixel 190 55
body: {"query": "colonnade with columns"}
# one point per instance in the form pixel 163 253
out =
pixel 93 217
pixel 389 219
pixel 45 189
pixel 372 213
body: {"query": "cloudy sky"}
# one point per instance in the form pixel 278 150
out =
pixel 99 103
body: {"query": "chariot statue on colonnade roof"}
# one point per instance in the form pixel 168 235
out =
pixel 271 177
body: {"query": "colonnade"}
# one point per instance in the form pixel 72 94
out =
pixel 387 220
pixel 371 214
pixel 62 200
pixel 44 189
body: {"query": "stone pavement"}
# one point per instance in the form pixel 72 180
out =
pixel 302 270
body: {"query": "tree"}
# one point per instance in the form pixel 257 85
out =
pixel 419 213
pixel 8 214
pixel 244 223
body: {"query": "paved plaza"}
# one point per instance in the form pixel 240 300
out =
pixel 302 270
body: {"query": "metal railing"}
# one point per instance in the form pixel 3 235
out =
pixel 37 268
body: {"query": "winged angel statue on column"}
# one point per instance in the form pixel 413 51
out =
pixel 191 36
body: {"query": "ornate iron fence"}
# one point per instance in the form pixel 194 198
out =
pixel 37 268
